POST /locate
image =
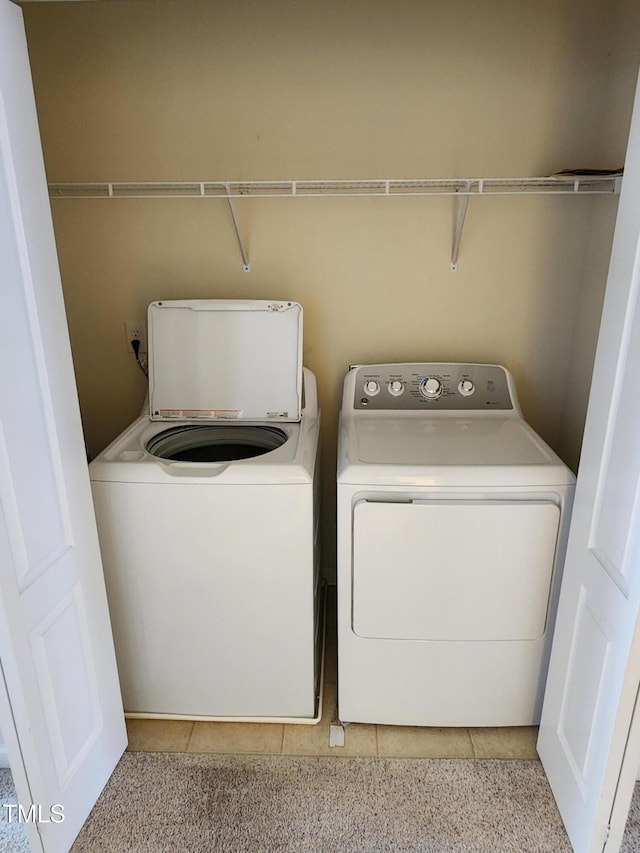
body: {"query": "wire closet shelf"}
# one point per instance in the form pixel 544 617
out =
pixel 563 185
pixel 463 188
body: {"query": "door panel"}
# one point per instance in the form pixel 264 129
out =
pixel 32 494
pixel 68 683
pixel 616 497
pixel 583 690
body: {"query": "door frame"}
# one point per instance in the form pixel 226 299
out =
pixel 629 762
pixel 12 739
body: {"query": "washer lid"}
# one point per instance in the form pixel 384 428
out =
pixel 216 359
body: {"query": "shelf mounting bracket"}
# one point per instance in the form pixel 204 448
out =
pixel 246 266
pixel 459 226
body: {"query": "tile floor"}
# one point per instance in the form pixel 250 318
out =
pixel 360 739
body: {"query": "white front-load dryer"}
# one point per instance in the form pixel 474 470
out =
pixel 207 511
pixel 452 524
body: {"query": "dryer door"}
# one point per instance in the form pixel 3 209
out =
pixel 453 570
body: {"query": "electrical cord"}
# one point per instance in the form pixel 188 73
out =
pixel 135 346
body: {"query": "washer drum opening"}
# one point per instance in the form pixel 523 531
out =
pixel 215 443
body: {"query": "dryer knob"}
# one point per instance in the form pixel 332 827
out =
pixel 431 388
pixel 371 387
pixel 396 387
pixel 466 387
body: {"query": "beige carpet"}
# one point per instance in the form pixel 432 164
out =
pixel 163 803
pixel 234 804
pixel 631 840
pixel 12 835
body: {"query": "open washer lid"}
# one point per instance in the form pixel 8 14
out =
pixel 233 359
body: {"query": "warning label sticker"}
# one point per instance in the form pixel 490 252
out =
pixel 199 414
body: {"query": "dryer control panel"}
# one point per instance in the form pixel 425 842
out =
pixel 433 386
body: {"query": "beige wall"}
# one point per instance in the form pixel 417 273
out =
pixel 197 90
pixel 619 78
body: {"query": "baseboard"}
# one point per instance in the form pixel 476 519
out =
pixel 4 758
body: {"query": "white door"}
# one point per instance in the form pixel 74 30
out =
pixel 56 647
pixel 594 672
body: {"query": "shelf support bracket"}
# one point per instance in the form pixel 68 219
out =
pixel 246 266
pixel 459 226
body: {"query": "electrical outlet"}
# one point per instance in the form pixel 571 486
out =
pixel 136 332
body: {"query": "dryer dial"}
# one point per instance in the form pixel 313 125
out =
pixel 430 387
pixel 371 387
pixel 396 387
pixel 466 387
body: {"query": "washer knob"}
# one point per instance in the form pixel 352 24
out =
pixel 371 387
pixel 466 387
pixel 396 387
pixel 431 388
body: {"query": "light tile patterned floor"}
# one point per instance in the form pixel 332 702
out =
pixel 360 739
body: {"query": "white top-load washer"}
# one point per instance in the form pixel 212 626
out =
pixel 452 527
pixel 207 511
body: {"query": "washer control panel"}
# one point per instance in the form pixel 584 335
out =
pixel 431 386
